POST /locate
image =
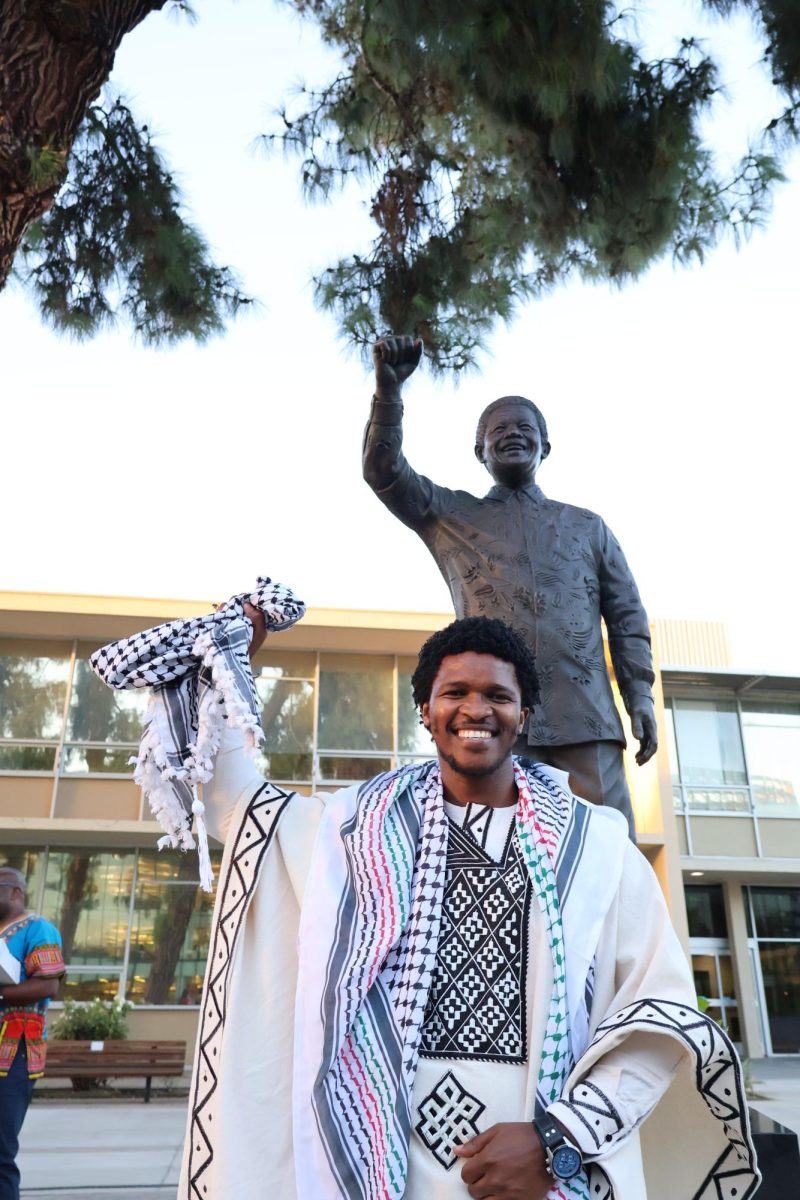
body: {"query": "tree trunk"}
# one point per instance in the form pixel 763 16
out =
pixel 170 932
pixel 73 902
pixel 55 55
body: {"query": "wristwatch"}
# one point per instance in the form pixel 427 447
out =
pixel 563 1160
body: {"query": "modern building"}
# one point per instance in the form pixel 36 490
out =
pixel 718 809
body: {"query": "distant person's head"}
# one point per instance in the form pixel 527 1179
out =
pixel 511 440
pixel 474 684
pixel 13 893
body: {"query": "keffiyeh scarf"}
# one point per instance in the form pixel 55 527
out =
pixel 199 674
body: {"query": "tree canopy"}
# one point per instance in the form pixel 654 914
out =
pixel 506 145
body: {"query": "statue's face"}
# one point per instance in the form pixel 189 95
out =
pixel 512 446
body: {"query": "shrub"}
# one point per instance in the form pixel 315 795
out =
pixel 92 1021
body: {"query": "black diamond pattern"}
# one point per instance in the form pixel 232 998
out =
pixel 448 1117
pixel 476 1004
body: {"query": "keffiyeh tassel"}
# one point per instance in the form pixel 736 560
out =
pixel 199 673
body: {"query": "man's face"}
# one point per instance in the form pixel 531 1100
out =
pixel 12 896
pixel 474 713
pixel 512 446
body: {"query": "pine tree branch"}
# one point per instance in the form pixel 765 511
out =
pixel 54 60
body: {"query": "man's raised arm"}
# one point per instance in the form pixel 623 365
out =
pixel 386 470
pixel 234 771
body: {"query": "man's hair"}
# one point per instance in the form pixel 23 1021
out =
pixel 480 635
pixel 480 432
pixel 15 878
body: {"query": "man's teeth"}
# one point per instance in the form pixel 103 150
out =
pixel 474 733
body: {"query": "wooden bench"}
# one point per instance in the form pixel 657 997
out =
pixel 102 1060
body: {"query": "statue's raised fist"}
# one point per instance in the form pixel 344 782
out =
pixel 395 358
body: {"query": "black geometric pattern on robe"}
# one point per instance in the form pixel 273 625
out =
pixel 448 1117
pixel 476 1005
pixel 719 1080
pixel 236 889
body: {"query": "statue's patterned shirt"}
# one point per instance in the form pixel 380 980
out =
pixel 548 569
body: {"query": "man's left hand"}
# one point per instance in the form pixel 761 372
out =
pixel 643 724
pixel 259 623
pixel 505 1163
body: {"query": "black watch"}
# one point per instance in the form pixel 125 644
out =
pixel 563 1160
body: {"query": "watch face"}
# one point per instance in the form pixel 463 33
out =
pixel 566 1162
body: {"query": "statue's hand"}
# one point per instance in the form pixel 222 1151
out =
pixel 643 723
pixel 395 358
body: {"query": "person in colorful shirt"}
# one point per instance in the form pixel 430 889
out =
pixel 36 944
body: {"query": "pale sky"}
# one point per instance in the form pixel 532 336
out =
pixel 672 405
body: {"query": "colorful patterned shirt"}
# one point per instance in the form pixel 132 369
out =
pixel 37 945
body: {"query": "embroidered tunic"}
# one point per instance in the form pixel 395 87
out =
pixel 37 945
pixel 472 1068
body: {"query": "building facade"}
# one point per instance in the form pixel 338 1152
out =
pixel 718 809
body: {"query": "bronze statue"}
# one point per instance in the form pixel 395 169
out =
pixel 550 570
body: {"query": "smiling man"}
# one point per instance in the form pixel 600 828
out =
pixel 551 570
pixel 454 980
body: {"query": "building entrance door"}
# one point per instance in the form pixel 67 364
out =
pixel 713 980
pixel 775 940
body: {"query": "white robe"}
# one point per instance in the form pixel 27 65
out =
pixel 249 1097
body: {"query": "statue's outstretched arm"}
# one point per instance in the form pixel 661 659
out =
pixel 387 471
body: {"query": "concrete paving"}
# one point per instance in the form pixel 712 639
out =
pixel 101 1151
pixel 777 1082
pixel 127 1150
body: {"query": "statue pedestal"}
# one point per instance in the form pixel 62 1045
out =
pixel 778 1158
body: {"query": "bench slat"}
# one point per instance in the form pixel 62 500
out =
pixel 116 1058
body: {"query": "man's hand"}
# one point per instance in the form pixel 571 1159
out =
pixel 643 723
pixel 259 623
pixel 505 1163
pixel 395 358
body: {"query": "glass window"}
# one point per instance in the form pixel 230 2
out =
pixel 87 896
pixel 89 985
pixel 709 743
pixel 287 718
pixel 772 741
pixel 98 713
pixel 351 769
pixel 170 930
pixel 672 748
pixel 705 910
pixel 85 760
pixel 776 911
pixel 27 758
pixel 412 736
pixel 355 702
pixel 704 969
pixel 780 970
pixel 717 800
pixel 33 688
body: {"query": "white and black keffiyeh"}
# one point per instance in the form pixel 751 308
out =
pixel 199 674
